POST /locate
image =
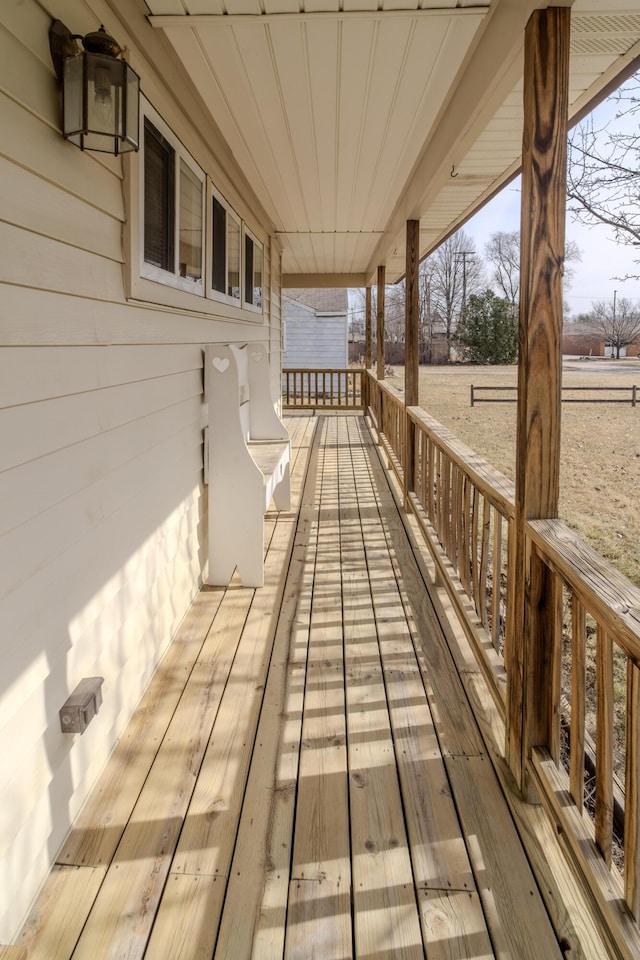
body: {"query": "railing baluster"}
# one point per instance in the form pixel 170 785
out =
pixel 475 524
pixel 556 671
pixel 484 562
pixel 632 794
pixel 431 480
pixel 497 580
pixel 459 521
pixel 466 528
pixel 578 700
pixel 446 519
pixel 604 743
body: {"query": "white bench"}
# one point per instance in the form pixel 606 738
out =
pixel 247 457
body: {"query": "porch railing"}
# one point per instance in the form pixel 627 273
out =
pixel 468 507
pixel 597 651
pixel 466 510
pixel 386 407
pixel 335 389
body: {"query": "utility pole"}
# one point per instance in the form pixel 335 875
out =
pixel 464 254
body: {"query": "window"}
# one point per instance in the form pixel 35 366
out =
pixel 252 272
pixel 225 251
pixel 173 210
pixel 187 236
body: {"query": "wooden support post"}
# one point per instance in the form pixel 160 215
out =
pixel 368 349
pixel 411 348
pixel 368 337
pixel 532 698
pixel 380 324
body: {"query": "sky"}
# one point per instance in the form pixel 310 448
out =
pixel 603 260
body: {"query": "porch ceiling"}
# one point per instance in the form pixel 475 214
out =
pixel 351 116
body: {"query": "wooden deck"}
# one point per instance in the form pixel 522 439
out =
pixel 304 777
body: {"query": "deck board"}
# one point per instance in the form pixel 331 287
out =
pixel 310 780
pixel 321 851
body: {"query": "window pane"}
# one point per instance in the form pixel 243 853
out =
pixel 190 224
pixel 159 162
pixel 219 253
pixel 233 246
pixel 248 269
pixel 257 276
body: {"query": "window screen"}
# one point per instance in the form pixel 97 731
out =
pixel 219 252
pixel 159 179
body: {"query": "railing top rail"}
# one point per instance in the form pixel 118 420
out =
pixel 603 591
pixel 394 392
pixel 356 370
pixel 492 484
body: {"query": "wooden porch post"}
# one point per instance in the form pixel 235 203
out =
pixel 532 650
pixel 380 324
pixel 411 351
pixel 368 348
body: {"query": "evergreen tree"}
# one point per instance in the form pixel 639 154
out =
pixel 488 332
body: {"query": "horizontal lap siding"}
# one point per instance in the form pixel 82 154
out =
pixel 314 341
pixel 102 503
pixel 101 553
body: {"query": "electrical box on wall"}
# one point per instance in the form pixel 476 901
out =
pixel 81 707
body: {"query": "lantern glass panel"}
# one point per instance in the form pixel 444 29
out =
pixel 73 72
pixel 104 94
pixel 130 120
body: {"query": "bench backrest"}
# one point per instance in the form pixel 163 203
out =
pixel 238 389
pixel 240 352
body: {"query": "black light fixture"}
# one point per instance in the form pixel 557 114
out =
pixel 101 93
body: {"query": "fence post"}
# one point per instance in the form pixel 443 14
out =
pixel 634 395
pixel 472 399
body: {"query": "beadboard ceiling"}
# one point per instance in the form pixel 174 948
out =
pixel 351 116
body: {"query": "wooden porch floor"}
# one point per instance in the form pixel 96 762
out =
pixel 304 777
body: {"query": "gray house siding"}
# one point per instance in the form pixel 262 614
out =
pixel 312 340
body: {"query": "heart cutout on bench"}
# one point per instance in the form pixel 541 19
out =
pixel 220 363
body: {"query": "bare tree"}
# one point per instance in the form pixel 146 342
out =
pixel 618 323
pixel 503 254
pixel 603 183
pixel 394 312
pixel 456 272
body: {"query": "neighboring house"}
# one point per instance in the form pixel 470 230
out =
pixel 580 340
pixel 314 329
pixel 315 333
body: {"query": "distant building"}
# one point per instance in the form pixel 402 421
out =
pixel 581 340
pixel 315 329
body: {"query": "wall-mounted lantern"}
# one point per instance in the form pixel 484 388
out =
pixel 101 93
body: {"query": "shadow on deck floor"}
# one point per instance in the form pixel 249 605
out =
pixel 304 777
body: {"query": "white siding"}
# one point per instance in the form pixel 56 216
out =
pixel 102 503
pixel 313 341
